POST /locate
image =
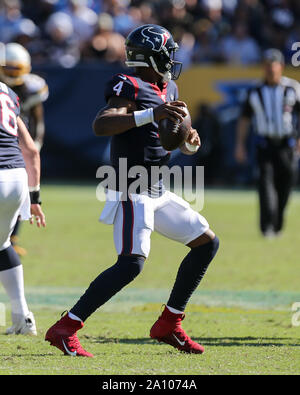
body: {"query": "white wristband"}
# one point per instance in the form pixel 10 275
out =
pixel 143 117
pixel 34 189
pixel 191 148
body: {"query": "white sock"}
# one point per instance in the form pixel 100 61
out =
pixel 74 317
pixel 13 283
pixel 174 310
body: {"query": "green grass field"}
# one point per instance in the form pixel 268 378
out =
pixel 241 312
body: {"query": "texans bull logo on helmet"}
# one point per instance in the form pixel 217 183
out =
pixel 156 39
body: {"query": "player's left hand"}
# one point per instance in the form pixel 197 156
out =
pixel 192 143
pixel 194 138
pixel 38 215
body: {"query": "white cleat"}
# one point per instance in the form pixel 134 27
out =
pixel 23 326
pixel 269 234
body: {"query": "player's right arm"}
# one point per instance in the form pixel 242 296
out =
pixel 118 116
pixel 115 118
pixel 121 113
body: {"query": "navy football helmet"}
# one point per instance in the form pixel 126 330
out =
pixel 153 46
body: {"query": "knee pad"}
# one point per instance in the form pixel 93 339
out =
pixel 131 266
pixel 9 259
pixel 210 248
pixel 215 245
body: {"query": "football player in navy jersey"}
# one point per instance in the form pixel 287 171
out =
pixel 32 91
pixel 17 150
pixel 135 105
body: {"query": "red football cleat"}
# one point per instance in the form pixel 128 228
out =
pixel 167 329
pixel 63 336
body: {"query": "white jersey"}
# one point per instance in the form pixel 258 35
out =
pixel 32 92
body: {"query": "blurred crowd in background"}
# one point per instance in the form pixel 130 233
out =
pixel 66 32
pixel 84 33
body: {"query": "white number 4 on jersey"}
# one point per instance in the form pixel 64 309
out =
pixel 117 88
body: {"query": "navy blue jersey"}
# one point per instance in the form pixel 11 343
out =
pixel 10 152
pixel 141 146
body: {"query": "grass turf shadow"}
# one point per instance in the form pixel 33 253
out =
pixel 247 341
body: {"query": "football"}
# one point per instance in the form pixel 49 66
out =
pixel 174 134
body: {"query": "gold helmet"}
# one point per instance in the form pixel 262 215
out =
pixel 17 64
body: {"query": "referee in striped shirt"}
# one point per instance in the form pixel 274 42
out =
pixel 273 106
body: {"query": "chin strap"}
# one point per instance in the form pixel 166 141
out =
pixel 167 76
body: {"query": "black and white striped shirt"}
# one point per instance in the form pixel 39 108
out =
pixel 274 109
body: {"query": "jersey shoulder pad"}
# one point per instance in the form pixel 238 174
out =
pixel 4 88
pixel 122 85
pixel 36 85
pixel 8 90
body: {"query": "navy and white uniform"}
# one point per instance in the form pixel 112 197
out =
pixel 14 194
pixel 158 209
pixel 145 139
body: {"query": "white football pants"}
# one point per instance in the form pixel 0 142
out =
pixel 14 201
pixel 135 219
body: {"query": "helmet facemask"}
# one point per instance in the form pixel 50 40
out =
pixel 166 65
